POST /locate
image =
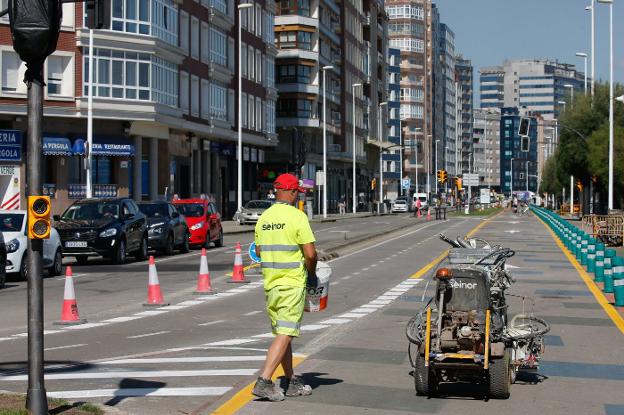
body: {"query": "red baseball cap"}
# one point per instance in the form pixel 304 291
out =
pixel 287 181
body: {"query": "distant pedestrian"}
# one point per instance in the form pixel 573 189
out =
pixel 342 206
pixel 270 195
pixel 285 245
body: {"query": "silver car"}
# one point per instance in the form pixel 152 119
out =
pixel 252 211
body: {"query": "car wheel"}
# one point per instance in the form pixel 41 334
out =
pixel 23 272
pixel 57 266
pixel 169 245
pixel 219 242
pixel 119 257
pixel 82 259
pixel 185 247
pixel 141 254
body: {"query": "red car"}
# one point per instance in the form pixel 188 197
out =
pixel 203 221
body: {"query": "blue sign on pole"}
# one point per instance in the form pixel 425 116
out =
pixel 406 183
pixel 10 145
pixel 252 253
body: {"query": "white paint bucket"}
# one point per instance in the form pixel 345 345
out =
pixel 316 298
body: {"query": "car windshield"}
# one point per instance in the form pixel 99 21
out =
pixel 191 210
pixel 92 211
pixel 11 222
pixel 422 198
pixel 258 204
pixel 154 210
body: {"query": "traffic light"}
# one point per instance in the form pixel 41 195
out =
pixel 98 14
pixel 373 183
pixel 523 129
pixel 442 176
pixel 458 183
pixel 39 217
pixel 524 144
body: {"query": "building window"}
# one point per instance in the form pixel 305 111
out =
pixel 218 101
pixel 270 117
pixel 244 109
pixel 258 21
pixel 252 112
pixel 294 40
pixel 299 7
pixel 205 99
pixel 194 38
pixel 300 108
pixel 220 5
pixel 408 44
pixel 251 65
pixel 218 47
pixel 184 31
pixel 195 96
pixel 205 47
pixel 13 70
pixel 405 11
pixel 184 91
pixel 270 72
pixel 258 114
pixel 259 66
pixel 60 71
pixel 165 21
pixel 131 16
pixel 243 63
pixel 293 74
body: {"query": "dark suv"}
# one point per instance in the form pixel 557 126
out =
pixel 166 227
pixel 111 228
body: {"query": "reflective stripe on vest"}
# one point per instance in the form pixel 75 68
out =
pixel 286 325
pixel 281 265
pixel 282 248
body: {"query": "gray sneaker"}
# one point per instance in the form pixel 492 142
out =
pixel 296 387
pixel 266 389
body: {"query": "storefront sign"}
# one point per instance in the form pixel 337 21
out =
pixel 308 184
pixel 10 145
pixel 56 146
pixel 9 187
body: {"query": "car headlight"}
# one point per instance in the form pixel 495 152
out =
pixel 159 230
pixel 12 246
pixel 198 225
pixel 108 233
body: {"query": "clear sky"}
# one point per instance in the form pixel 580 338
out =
pixel 490 31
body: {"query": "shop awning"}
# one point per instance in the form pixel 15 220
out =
pixel 57 146
pixel 106 146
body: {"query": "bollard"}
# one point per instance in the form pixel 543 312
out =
pixel 618 281
pixel 600 256
pixel 608 271
pixel 584 245
pixel 577 245
pixel 591 255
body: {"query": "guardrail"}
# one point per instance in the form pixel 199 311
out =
pixel 607 228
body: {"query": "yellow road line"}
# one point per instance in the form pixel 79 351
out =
pixel 248 267
pixel 244 396
pixel 615 316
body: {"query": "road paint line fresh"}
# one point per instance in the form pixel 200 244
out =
pixel 71 346
pixel 244 396
pixel 86 326
pixel 147 313
pixel 231 342
pixel 205 359
pixel 313 327
pixel 251 313
pixel 20 335
pixel 131 392
pixel 336 321
pixel 613 314
pixel 211 323
pixel 51 332
pixel 136 374
pixel 362 310
pixel 380 302
pixel 140 336
pixel 351 315
pixel 121 319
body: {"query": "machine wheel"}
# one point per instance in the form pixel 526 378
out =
pixel 423 381
pixel 500 376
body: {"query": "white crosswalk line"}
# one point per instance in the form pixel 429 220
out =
pixel 202 359
pixel 136 374
pixel 138 392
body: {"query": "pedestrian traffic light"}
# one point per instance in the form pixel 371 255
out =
pixel 524 143
pixel 458 183
pixel 98 14
pixel 373 183
pixel 39 217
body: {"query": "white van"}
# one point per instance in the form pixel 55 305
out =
pixel 424 203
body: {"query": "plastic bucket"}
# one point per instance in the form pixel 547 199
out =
pixel 316 298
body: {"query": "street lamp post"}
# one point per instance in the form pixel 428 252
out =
pixel 584 56
pixel 611 98
pixel 324 69
pixel 353 201
pixel 436 163
pixel 593 46
pixel 526 174
pixel 241 8
pixel 511 185
pixel 380 133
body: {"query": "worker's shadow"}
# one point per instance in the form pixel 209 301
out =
pixel 125 389
pixel 314 379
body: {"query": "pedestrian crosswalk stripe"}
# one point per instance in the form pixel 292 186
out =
pixel 313 327
pixel 231 342
pixel 129 392
pixel 121 319
pixel 135 374
pixel 202 359
pixel 151 313
pixel 336 321
pixel 86 326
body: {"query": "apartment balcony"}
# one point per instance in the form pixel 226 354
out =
pixel 219 19
pixel 295 19
pixel 297 122
pixel 298 87
pixel 297 54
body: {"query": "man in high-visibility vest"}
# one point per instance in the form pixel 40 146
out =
pixel 285 245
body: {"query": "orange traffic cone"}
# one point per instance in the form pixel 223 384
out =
pixel 238 274
pixel 203 280
pixel 69 312
pixel 419 214
pixel 154 295
pixel 428 213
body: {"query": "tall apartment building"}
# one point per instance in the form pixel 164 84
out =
pixel 486 147
pixel 410 31
pixel 464 82
pixel 518 169
pixel 164 82
pixel 345 41
pixel 535 85
pixel 393 154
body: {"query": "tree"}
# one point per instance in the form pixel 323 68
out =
pixel 550 183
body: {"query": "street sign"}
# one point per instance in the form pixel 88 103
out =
pixel 405 183
pixel 252 253
pixel 485 197
pixel 319 178
pixel 10 145
pixel 470 179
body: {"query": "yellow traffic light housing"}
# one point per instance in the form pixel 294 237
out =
pixel 579 185
pixel 39 225
pixel 458 183
pixel 444 176
pixel 373 183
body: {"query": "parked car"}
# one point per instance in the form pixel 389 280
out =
pixel 424 202
pixel 112 228
pixel 203 221
pixel 252 211
pixel 166 227
pixel 3 258
pixel 13 228
pixel 399 205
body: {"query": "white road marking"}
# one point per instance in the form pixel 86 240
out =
pixel 86 326
pixel 136 374
pixel 382 302
pixel 211 323
pixel 3 339
pixel 20 335
pixel 51 331
pixel 313 327
pixel 148 313
pixel 122 319
pixel 251 313
pixel 128 392
pixel 374 306
pixel 356 273
pixel 231 342
pixel 336 321
pixel 64 347
pixel 205 359
pixel 365 269
pixel 264 336
pixel 351 315
pixel 172 307
pixel 361 310
pixel 139 336
pixel 237 290
pixel 190 302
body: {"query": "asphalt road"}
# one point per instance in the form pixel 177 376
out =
pixel 200 353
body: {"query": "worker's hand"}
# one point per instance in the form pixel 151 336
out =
pixel 312 281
